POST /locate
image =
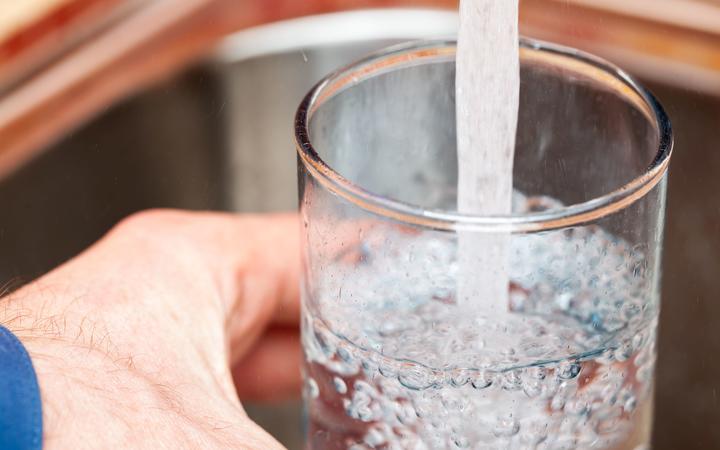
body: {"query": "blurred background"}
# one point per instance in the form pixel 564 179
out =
pixel 112 106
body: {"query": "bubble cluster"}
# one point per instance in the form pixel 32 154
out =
pixel 558 405
pixel 393 362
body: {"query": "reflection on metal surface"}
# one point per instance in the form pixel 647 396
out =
pixel 334 29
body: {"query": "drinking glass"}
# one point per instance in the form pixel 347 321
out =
pixel 392 359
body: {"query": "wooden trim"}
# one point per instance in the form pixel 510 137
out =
pixel 159 37
pixel 681 49
pixel 148 45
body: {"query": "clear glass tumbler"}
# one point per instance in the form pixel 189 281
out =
pixel 392 359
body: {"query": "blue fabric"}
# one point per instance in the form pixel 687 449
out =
pixel 20 407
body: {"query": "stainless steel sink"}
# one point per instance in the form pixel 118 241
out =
pixel 218 136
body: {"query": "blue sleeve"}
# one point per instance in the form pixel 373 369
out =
pixel 20 406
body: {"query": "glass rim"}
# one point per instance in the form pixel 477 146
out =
pixel 417 52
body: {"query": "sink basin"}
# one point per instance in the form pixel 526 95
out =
pixel 218 136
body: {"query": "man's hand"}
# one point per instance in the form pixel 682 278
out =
pixel 136 341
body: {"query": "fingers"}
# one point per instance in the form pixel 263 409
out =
pixel 271 370
pixel 139 324
pixel 252 258
pixel 267 281
pixel 253 261
pixel 163 285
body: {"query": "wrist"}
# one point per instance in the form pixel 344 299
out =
pixel 20 406
pixel 67 354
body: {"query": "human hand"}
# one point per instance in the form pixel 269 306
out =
pixel 148 339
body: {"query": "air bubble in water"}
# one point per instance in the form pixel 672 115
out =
pixel 369 367
pixel 644 374
pixel 359 407
pixel 459 377
pixel 358 447
pixel 610 421
pixel 568 370
pixel 430 402
pixel 344 354
pixel 425 405
pixel 416 378
pixel 364 387
pixel 630 404
pixel 511 381
pixel 623 352
pixel 324 342
pixel 638 340
pixel 644 357
pixel 387 370
pixel 391 328
pixel 537 373
pixel 340 385
pixel 312 388
pixel 481 380
pixel 558 402
pixel 454 403
pixel 579 405
pixel 374 437
pixel 506 427
pixel 532 388
pixel 405 413
pixel 461 442
pixel 533 434
pixel 609 392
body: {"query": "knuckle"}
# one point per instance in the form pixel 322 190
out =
pixel 150 218
pixel 159 222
